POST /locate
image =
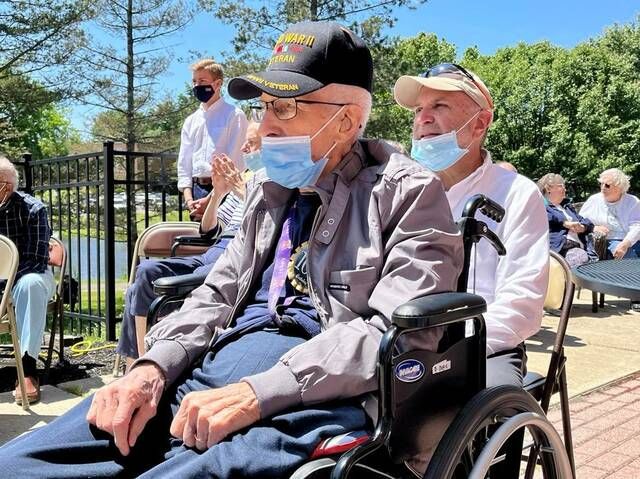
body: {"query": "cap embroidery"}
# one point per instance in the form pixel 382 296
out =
pixel 274 85
pixel 299 38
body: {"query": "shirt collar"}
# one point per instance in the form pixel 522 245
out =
pixel 476 175
pixel 213 108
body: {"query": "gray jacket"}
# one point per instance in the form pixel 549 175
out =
pixel 382 236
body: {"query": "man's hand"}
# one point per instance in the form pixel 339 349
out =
pixel 207 417
pixel 124 407
pixel 621 249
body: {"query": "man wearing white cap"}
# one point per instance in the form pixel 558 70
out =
pixel 453 111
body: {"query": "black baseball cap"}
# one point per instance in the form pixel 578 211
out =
pixel 307 57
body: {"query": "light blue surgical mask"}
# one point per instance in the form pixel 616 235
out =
pixel 288 160
pixel 439 152
pixel 253 160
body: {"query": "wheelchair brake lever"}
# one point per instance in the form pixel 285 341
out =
pixel 483 231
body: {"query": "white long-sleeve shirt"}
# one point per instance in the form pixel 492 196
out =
pixel 221 128
pixel 514 286
pixel 622 217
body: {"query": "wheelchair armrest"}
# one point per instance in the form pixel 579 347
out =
pixel 178 285
pixel 195 240
pixel 437 310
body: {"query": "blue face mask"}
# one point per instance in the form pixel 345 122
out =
pixel 288 159
pixel 439 152
pixel 253 160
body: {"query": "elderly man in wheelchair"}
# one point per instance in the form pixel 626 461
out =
pixel 341 251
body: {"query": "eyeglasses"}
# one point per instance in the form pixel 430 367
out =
pixel 443 68
pixel 283 108
pixel 606 185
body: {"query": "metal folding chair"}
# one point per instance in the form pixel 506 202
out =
pixel 559 296
pixel 58 263
pixel 8 268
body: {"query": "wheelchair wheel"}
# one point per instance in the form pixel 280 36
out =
pixel 471 431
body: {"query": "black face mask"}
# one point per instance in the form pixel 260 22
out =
pixel 203 92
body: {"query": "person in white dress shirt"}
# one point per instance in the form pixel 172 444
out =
pixel 215 128
pixel 453 111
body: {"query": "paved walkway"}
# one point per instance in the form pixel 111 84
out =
pixel 606 431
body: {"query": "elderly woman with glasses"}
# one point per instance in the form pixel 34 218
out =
pixel 616 214
pixel 568 231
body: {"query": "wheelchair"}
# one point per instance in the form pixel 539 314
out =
pixel 476 438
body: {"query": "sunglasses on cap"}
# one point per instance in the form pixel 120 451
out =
pixel 449 68
pixel 455 69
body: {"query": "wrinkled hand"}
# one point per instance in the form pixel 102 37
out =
pixel 225 175
pixel 199 206
pixel 621 250
pixel 578 228
pixel 124 407
pixel 207 417
pixel 600 229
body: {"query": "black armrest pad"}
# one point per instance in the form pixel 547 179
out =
pixel 178 285
pixel 438 309
pixel 195 240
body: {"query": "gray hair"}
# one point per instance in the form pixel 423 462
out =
pixel 618 178
pixel 8 169
pixel 353 95
pixel 549 180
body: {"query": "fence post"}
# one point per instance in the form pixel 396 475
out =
pixel 109 241
pixel 28 174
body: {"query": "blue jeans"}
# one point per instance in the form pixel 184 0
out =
pixel 271 448
pixel 31 294
pixel 632 252
pixel 140 294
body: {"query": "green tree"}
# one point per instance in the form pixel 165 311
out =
pixel 257 26
pixel 121 64
pixel 40 38
pixel 574 112
pixel 392 59
pixel 159 129
pixel 30 120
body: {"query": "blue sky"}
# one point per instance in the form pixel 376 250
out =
pixel 487 24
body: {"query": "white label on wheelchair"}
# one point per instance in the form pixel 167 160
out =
pixel 410 370
pixel 441 367
pixel 469 329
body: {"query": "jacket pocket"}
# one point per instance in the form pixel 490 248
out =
pixel 351 289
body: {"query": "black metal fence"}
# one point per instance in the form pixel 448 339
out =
pixel 97 204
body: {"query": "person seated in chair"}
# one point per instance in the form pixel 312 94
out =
pixel 568 231
pixel 278 349
pixel 615 214
pixel 23 219
pixel 229 188
pixel 453 111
